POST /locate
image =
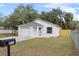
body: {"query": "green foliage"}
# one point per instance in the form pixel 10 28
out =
pixel 77 25
pixel 21 15
pixel 68 17
pixel 55 16
pixel 24 14
pixel 71 25
pixel 1 23
pixel 69 21
pixel 1 19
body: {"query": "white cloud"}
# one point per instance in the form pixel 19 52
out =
pixel 63 6
pixel 66 8
pixel 54 5
pixel 76 18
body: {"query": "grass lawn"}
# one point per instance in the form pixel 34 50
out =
pixel 42 47
pixel 6 35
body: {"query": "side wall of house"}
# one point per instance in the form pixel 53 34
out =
pixel 55 29
pixel 29 31
pixel 23 31
pixel 33 30
pixel 19 33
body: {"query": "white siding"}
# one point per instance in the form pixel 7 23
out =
pixel 55 30
pixel 27 31
pixel 19 32
pixel 33 30
pixel 23 31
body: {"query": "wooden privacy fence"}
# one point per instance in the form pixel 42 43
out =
pixel 65 33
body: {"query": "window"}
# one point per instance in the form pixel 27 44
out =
pixel 49 30
pixel 39 28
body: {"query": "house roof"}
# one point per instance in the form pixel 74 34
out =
pixel 47 22
pixel 31 23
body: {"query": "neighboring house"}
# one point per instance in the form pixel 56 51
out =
pixel 4 31
pixel 1 28
pixel 39 28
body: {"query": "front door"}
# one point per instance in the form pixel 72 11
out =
pixel 39 31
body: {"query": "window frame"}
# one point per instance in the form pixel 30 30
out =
pixel 49 30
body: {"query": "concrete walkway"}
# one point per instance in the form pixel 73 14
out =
pixel 21 38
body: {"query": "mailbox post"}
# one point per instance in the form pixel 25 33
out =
pixel 7 43
pixel 8 50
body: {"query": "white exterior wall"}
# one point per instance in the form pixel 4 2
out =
pixel 19 32
pixel 33 30
pixel 27 31
pixel 23 31
pixel 55 30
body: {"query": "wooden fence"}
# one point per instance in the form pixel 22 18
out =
pixel 65 33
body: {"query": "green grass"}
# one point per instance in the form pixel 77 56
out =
pixel 43 47
pixel 6 35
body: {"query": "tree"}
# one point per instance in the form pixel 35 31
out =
pixel 24 14
pixel 68 17
pixel 45 15
pixel 21 15
pixel 55 16
pixel 69 20
pixel 1 22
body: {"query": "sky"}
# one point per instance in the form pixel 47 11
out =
pixel 7 8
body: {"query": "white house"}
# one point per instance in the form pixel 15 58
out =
pixel 39 28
